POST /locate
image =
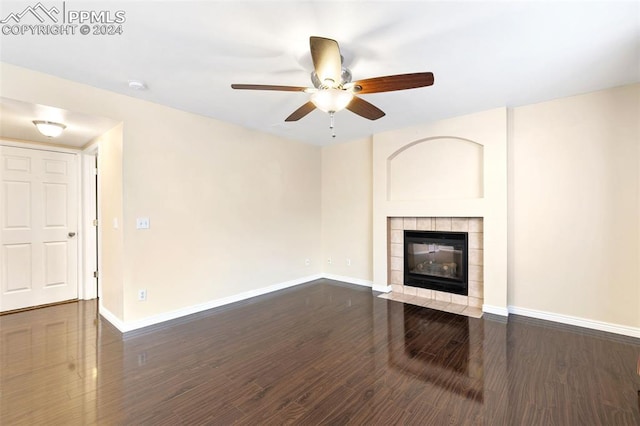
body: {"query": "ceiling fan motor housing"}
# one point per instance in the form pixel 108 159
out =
pixel 345 77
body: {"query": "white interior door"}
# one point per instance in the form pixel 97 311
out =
pixel 39 220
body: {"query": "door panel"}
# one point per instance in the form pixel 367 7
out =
pixel 55 260
pixel 55 206
pixel 17 259
pixel 17 205
pixel 39 219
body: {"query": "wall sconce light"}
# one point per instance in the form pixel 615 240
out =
pixel 49 129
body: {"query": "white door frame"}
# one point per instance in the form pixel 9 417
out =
pixel 88 289
pixel 86 249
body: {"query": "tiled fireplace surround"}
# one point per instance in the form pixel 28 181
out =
pixel 472 225
pixel 412 187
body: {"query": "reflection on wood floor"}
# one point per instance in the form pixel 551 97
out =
pixel 319 353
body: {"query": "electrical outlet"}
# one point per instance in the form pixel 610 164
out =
pixel 307 262
pixel 142 223
pixel 329 260
pixel 348 262
pixel 142 359
pixel 142 294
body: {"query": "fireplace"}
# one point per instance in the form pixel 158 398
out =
pixel 436 260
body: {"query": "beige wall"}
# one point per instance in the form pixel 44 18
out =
pixel 346 209
pixel 574 209
pixel 574 166
pixel 110 208
pixel 231 210
pixel 437 168
pixel 487 129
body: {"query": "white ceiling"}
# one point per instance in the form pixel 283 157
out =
pixel 483 55
pixel 16 122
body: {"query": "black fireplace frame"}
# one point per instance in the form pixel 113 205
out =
pixel 431 282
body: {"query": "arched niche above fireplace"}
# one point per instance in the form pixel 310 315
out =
pixel 436 168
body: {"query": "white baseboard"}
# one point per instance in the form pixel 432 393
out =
pixel 349 280
pixel 580 322
pixel 156 319
pixel 495 310
pixel 114 320
pixel 124 327
pixel 381 288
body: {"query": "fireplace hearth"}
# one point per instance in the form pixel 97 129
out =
pixel 436 260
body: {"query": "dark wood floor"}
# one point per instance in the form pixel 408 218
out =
pixel 319 353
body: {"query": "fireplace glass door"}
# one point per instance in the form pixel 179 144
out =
pixel 436 260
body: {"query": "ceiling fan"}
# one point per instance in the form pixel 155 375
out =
pixel 333 89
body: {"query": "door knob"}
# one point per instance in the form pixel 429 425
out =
pixel 72 234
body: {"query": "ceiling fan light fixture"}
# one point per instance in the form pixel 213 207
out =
pixel 49 129
pixel 331 100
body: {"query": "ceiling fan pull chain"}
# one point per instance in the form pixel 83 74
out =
pixel 331 124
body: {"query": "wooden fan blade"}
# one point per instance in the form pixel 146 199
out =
pixel 327 61
pixel 268 87
pixel 365 109
pixel 301 112
pixel 393 82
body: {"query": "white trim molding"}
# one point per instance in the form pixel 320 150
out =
pixel 350 280
pixel 87 281
pixel 579 322
pixel 125 327
pixel 495 310
pixel 113 319
pixel 381 288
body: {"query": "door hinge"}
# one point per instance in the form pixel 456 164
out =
pixel 95 274
pixel 95 222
